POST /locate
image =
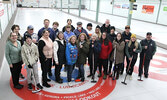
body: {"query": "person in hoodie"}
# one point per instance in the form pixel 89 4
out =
pixel 106 27
pixel 111 37
pixel 68 33
pixel 30 31
pixel 30 55
pixel 46 26
pixel 59 55
pixel 69 22
pixel 118 45
pixel 106 48
pixel 83 49
pixel 80 30
pixel 132 49
pixel 71 57
pixel 93 55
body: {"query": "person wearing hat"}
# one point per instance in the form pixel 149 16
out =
pixel 30 31
pixel 132 49
pixel 148 51
pixel 98 32
pixel 68 33
pixel 89 29
pixel 80 30
pixel 126 36
pixel 30 55
pixel 69 22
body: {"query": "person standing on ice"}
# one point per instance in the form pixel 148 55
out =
pixel 126 36
pixel 69 22
pixel 148 51
pixel 118 45
pixel 30 55
pixel 106 27
pixel 59 55
pixel 132 49
pixel 71 57
pixel 106 48
pixel 94 50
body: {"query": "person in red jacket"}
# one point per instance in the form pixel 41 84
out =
pixel 106 48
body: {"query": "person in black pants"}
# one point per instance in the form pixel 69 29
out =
pixel 59 55
pixel 94 50
pixel 126 36
pixel 148 51
pixel 13 57
pixel 132 49
pixel 45 48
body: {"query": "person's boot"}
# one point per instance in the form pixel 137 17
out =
pixel 89 75
pixel 39 86
pixel 46 85
pixel 29 86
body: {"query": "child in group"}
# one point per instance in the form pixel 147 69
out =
pixel 71 57
pixel 30 55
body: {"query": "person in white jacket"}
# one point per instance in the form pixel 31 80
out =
pixel 59 55
pixel 30 55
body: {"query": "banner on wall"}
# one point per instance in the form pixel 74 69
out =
pixel 125 6
pixel 148 9
pixel 165 9
pixel 117 6
pixel 1 9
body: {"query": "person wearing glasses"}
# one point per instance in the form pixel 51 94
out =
pixel 13 57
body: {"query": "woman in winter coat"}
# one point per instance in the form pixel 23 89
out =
pixel 118 45
pixel 59 55
pixel 94 51
pixel 132 49
pixel 83 49
pixel 106 48
pixel 45 48
pixel 30 55
pixel 13 57
pixel 71 57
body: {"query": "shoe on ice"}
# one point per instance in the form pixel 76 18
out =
pixel 77 80
pixel 70 84
pixel 46 85
pixel 89 75
pixel 29 86
pixel 39 86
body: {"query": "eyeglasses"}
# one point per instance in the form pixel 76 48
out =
pixel 13 35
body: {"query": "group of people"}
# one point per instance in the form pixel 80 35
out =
pixel 71 47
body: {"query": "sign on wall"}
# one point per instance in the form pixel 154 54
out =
pixel 148 9
pixel 165 9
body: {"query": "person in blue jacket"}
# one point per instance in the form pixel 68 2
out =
pixel 46 26
pixel 68 33
pixel 80 30
pixel 71 57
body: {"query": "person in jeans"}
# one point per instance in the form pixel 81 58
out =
pixel 59 55
pixel 30 55
pixel 83 49
pixel 71 57
pixel 106 48
pixel 45 48
pixel 13 57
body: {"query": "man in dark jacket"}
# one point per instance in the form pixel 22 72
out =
pixel 69 22
pixel 80 30
pixel 106 27
pixel 46 26
pixel 148 51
